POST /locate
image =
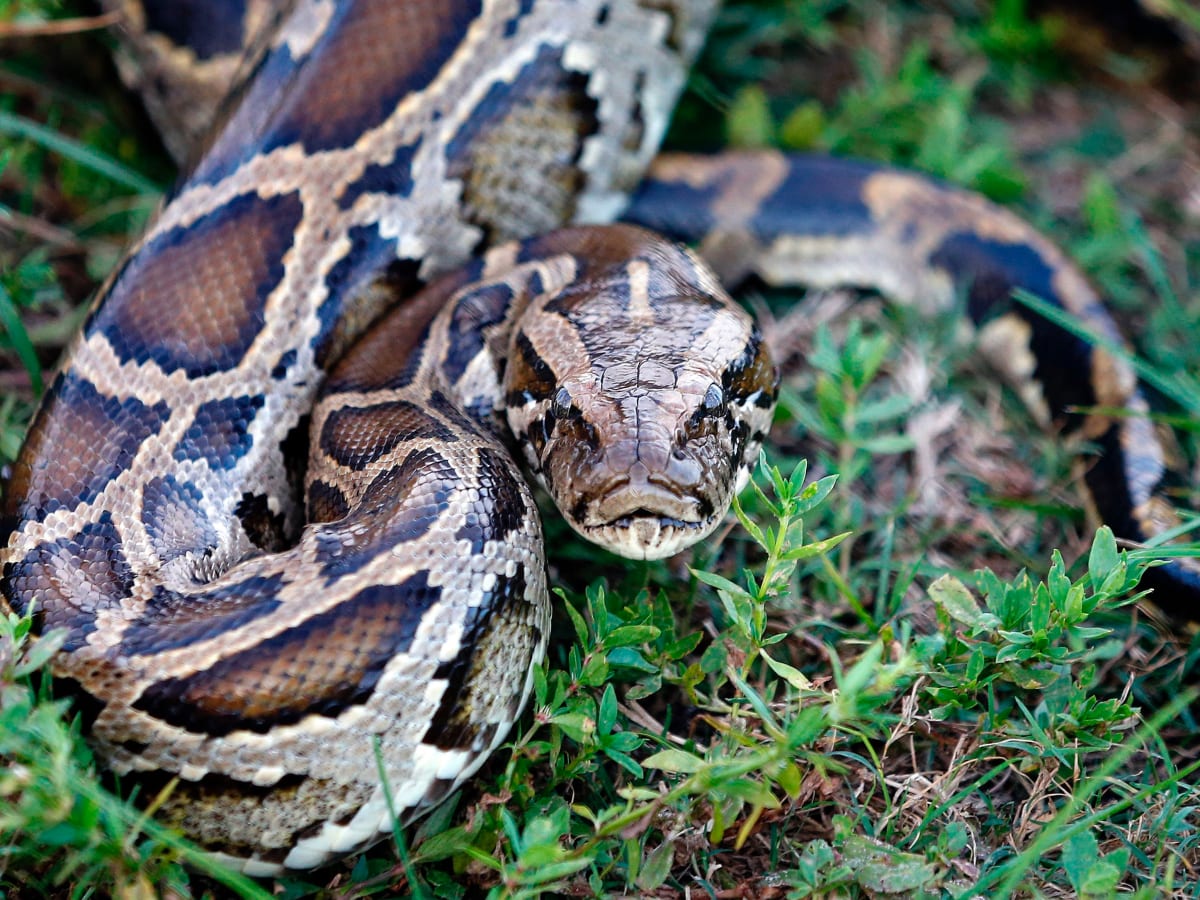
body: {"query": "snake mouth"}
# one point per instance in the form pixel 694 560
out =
pixel 627 503
pixel 646 522
pixel 628 521
pixel 650 536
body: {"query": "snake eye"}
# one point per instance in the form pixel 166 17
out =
pixel 562 406
pixel 713 402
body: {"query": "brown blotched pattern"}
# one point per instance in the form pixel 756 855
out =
pixel 211 635
pixel 215 640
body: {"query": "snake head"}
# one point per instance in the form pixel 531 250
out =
pixel 641 405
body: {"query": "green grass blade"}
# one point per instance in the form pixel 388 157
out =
pixel 100 163
pixel 1181 389
pixel 10 321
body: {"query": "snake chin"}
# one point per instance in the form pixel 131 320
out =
pixel 647 535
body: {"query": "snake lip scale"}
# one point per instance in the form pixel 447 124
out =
pixel 362 261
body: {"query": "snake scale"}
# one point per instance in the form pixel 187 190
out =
pixel 252 620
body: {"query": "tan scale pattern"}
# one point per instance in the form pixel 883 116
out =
pixel 412 620
pixel 216 312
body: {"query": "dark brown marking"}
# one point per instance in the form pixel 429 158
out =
pixel 474 312
pixel 71 579
pixel 322 666
pixel 361 284
pixel 988 272
pixel 208 27
pixel 818 197
pixel 371 54
pixel 172 620
pixel 393 178
pixel 326 503
pixel 193 298
pixel 675 208
pixel 399 506
pixel 357 436
pixel 389 354
pixel 450 412
pixel 374 53
pixel 451 726
pixel 220 432
pixel 267 530
pixel 531 378
pixel 500 509
pixel 244 123
pixel 79 441
pixel 752 371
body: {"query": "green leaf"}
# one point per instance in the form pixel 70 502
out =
pixel 443 845
pixel 799 473
pixel 721 584
pixel 630 659
pixel 598 609
pixel 10 321
pixel 755 700
pixel 40 653
pixel 627 635
pixel 595 671
pixel 1100 205
pixel 790 779
pixel 674 760
pixel 886 444
pixel 656 866
pixel 749 790
pixel 813 495
pixel 607 716
pixel 1079 855
pixel 1104 557
pixel 625 761
pixel 956 600
pixel 577 620
pixel 890 407
pixel 748 123
pixel 816 548
pixel 900 874
pixel 69 148
pixel 802 128
pixel 863 672
pixel 576 726
pixel 677 650
pixel 790 674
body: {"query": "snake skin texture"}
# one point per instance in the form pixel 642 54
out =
pixel 264 622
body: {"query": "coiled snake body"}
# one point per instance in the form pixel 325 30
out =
pixel 255 626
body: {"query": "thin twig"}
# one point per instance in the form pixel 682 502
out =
pixel 12 220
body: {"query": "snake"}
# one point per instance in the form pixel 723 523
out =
pixel 273 502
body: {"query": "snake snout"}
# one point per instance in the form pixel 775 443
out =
pixel 645 512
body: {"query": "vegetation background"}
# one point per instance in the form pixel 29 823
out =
pixel 835 701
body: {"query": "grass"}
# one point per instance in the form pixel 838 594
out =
pixel 911 668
